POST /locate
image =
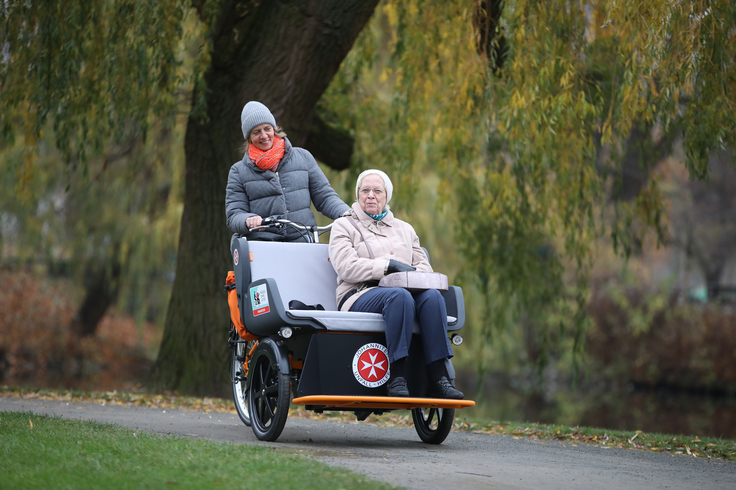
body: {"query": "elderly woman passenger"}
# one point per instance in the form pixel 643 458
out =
pixel 368 243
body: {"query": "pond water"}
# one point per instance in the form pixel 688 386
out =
pixel 662 411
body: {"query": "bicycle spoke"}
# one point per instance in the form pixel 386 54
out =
pixel 260 408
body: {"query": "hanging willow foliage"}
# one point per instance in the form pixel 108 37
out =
pixel 94 69
pixel 510 103
pixel 507 104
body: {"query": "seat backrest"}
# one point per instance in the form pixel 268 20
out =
pixel 302 271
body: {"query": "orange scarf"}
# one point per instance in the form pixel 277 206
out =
pixel 269 159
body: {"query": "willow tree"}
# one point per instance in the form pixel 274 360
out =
pixel 81 76
pixel 283 54
pixel 95 70
pixel 532 114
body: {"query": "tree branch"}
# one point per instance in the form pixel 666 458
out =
pixel 330 144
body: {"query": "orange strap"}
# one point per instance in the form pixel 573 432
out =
pixel 232 301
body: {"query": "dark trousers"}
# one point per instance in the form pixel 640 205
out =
pixel 400 309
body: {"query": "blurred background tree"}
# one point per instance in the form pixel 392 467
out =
pixel 97 72
pixel 521 136
pixel 541 126
pixel 92 176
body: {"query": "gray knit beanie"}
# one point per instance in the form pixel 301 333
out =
pixel 255 113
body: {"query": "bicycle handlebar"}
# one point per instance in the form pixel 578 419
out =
pixel 314 231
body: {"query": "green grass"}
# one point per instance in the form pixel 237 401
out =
pixel 688 446
pixel 701 447
pixel 691 446
pixel 38 451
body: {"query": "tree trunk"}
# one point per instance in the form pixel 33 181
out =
pixel 283 54
pixel 712 219
pixel 330 144
pixel 101 287
pixel 642 154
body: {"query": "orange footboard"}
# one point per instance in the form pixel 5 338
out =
pixel 381 402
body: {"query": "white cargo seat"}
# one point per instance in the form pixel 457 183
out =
pixel 303 272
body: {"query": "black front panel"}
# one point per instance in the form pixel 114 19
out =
pixel 329 366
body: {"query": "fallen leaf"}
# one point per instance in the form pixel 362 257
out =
pixel 31 423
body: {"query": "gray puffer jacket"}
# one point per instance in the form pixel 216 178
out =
pixel 287 192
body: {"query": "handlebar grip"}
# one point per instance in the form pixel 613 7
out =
pixel 266 223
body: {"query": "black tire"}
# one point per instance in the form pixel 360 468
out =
pixel 433 424
pixel 238 378
pixel 268 393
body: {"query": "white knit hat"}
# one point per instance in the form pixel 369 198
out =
pixel 255 113
pixel 386 182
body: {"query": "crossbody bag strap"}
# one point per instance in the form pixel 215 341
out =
pixel 370 252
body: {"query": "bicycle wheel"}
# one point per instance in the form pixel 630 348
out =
pixel 238 376
pixel 268 393
pixel 433 424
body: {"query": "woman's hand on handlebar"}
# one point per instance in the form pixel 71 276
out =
pixel 253 221
pixel 274 221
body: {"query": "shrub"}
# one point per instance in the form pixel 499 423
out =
pixel 654 340
pixel 37 346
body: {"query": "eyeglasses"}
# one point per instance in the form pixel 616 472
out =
pixel 377 191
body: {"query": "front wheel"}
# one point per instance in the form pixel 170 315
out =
pixel 433 424
pixel 268 393
pixel 238 376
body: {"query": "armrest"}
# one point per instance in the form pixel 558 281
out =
pixel 455 303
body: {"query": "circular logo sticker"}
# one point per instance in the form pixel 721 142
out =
pixel 236 256
pixel 370 365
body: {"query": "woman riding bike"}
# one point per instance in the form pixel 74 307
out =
pixel 275 180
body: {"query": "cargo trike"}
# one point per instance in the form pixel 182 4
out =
pixel 290 344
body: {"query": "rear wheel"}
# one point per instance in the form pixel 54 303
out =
pixel 433 424
pixel 268 393
pixel 239 375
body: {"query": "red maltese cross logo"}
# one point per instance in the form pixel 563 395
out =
pixel 373 364
pixel 370 365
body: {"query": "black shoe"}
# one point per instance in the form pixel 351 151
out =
pixel 444 389
pixel 397 387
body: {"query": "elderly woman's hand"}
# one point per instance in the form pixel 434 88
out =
pixel 396 266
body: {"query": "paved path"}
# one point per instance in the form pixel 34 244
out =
pixel 396 455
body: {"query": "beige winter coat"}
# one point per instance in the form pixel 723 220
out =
pixel 389 239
